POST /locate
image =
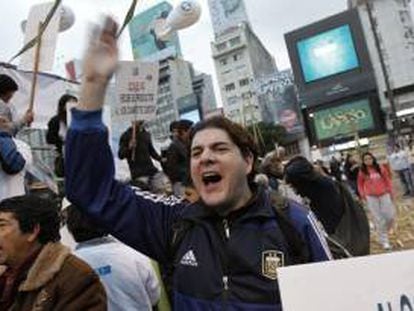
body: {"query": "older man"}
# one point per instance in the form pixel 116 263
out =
pixel 37 272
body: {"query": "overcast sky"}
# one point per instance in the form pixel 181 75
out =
pixel 270 19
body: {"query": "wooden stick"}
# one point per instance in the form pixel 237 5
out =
pixel 134 139
pixel 35 69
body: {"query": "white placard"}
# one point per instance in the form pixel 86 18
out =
pixel 372 283
pixel 49 89
pixel 137 88
pixel 38 14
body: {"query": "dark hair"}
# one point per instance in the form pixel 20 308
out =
pixel 30 210
pixel 62 106
pixel 7 84
pixel 181 125
pixel 173 125
pixel 299 172
pixel 81 227
pixel 238 135
pixel 375 164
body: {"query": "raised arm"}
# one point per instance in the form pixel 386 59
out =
pixel 138 219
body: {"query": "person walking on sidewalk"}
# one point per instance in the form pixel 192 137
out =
pixel 375 188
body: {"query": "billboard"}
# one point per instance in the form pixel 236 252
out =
pixel 340 121
pixel 328 53
pixel 226 14
pixel 279 103
pixel 343 120
pixel 330 59
pixel 145 44
pixel 193 115
pixel 189 108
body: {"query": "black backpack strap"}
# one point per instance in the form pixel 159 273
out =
pixel 298 250
pixel 179 230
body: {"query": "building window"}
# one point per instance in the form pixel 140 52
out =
pixel 235 41
pixel 230 87
pixel 223 61
pixel 244 82
pixel 237 57
pixel 221 46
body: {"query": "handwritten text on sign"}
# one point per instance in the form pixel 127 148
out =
pixel 378 283
pixel 137 86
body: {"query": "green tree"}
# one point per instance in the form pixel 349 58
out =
pixel 267 135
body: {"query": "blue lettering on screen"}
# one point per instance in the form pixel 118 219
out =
pixel 328 53
pixel 104 270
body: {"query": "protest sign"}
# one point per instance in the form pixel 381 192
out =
pixel 137 88
pixel 378 283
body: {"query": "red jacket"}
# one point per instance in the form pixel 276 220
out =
pixel 374 184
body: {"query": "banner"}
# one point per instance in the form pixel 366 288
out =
pixel 343 120
pixel 377 283
pixel 279 100
pixel 144 42
pixel 37 15
pixel 137 90
pixel 49 89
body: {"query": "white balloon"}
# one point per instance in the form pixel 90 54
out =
pixel 67 19
pixel 182 16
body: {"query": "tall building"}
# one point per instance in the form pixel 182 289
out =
pixel 175 82
pixel 181 93
pixel 240 59
pixel 203 89
pixel 389 32
pixel 226 15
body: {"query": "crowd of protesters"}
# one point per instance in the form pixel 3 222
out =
pixel 218 223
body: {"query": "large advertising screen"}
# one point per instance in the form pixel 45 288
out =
pixel 327 53
pixel 330 60
pixel 343 120
pixel 144 42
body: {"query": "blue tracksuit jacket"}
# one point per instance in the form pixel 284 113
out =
pixel 11 160
pixel 220 264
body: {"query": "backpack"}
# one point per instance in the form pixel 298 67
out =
pixel 281 206
pixel 352 232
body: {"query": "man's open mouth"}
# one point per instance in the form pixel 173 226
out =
pixel 211 178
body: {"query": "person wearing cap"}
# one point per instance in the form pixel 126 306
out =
pixel 139 151
pixel 8 87
pixel 176 165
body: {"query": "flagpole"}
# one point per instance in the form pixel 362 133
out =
pixel 35 69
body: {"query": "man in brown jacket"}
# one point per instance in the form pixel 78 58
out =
pixel 36 271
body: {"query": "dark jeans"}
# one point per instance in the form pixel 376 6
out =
pixel 406 178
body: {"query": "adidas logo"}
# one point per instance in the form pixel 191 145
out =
pixel 189 259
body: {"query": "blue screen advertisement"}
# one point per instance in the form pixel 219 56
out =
pixel 328 53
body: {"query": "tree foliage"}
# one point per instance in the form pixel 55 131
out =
pixel 267 135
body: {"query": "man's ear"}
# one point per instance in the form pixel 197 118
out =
pixel 34 234
pixel 249 160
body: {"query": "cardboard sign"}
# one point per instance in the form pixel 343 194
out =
pixel 372 283
pixel 137 88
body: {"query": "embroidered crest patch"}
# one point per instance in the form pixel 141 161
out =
pixel 271 261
